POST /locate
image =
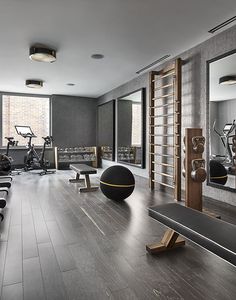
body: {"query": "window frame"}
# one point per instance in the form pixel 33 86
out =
pixel 25 95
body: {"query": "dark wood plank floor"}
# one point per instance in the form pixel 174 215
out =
pixel 59 244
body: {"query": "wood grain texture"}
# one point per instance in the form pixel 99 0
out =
pixel 32 278
pixel 13 264
pixel 12 292
pixel 70 245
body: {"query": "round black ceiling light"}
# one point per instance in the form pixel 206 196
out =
pixel 41 54
pixel 34 84
pixel 227 80
pixel 70 84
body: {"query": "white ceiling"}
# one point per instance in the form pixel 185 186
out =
pixel 223 67
pixel 130 33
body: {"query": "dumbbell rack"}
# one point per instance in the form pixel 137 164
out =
pixel 165 128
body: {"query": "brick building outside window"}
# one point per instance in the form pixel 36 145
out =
pixel 25 111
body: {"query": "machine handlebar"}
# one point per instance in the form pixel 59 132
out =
pixel 48 139
pixel 28 135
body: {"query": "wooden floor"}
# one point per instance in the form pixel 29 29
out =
pixel 59 244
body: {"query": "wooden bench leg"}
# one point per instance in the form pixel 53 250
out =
pixel 88 187
pixel 77 179
pixel 170 240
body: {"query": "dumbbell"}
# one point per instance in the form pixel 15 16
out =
pixel 198 173
pixel 3 203
pixel 198 144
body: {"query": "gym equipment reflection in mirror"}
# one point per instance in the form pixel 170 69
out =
pixel 221 122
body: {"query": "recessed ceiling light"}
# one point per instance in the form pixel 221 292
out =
pixel 227 80
pixel 42 54
pixel 34 84
pixel 70 84
pixel 97 56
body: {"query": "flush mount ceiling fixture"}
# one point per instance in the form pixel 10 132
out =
pixel 41 54
pixel 34 84
pixel 228 80
pixel 70 84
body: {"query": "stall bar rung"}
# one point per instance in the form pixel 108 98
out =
pixel 164 125
pixel 161 145
pixel 162 135
pixel 165 184
pixel 163 96
pixel 164 115
pixel 163 174
pixel 163 76
pixel 163 105
pixel 163 86
pixel 165 155
pixel 162 164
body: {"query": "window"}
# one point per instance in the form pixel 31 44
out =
pixel 136 124
pixel 26 111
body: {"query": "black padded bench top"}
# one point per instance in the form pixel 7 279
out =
pixel 213 234
pixel 83 169
pixel 5 182
pixel 6 177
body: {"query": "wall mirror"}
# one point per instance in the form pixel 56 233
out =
pixel 131 129
pixel 106 130
pixel 221 160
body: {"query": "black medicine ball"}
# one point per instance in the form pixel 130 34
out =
pixel 218 173
pixel 117 183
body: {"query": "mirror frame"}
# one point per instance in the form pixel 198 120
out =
pixel 143 128
pixel 113 101
pixel 208 62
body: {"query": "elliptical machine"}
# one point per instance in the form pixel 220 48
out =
pixel 228 133
pixel 32 159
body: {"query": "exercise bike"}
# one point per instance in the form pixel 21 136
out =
pixel 32 159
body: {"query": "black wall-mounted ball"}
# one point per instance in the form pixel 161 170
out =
pixel 218 173
pixel 117 183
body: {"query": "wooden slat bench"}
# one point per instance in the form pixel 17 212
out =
pixel 82 169
pixel 215 235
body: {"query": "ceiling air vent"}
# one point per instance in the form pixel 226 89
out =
pixel 153 63
pixel 225 23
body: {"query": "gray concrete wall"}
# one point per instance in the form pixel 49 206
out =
pixel 194 93
pixel 124 123
pixel 74 121
pixel 105 130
